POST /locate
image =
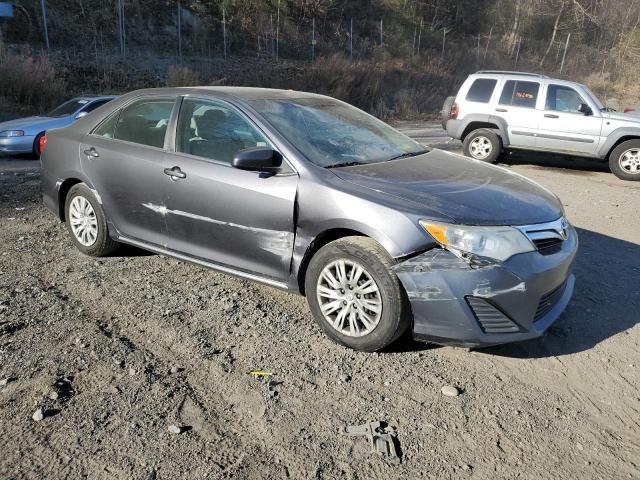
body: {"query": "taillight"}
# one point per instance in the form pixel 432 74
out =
pixel 41 143
pixel 453 114
pixel 627 110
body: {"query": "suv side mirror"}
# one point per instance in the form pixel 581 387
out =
pixel 258 159
pixel 586 109
pixel 81 114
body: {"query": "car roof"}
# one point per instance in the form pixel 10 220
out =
pixel 94 97
pixel 522 76
pixel 241 93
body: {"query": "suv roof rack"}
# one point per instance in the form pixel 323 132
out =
pixel 507 72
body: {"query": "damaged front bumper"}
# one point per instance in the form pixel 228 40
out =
pixel 455 302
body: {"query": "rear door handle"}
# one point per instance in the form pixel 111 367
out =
pixel 91 152
pixel 501 110
pixel 550 115
pixel 175 173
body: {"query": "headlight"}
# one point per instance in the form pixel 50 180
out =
pixel 12 133
pixel 499 243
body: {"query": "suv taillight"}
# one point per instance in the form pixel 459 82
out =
pixel 42 141
pixel 453 114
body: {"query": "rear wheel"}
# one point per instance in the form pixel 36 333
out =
pixel 355 296
pixel 624 160
pixel 482 144
pixel 87 223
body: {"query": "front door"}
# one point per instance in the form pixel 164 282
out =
pixel 238 219
pixel 123 158
pixel 565 126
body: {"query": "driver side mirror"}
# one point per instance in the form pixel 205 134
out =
pixel 586 109
pixel 258 159
pixel 82 114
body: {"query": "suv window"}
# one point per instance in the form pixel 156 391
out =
pixel 144 122
pixel 520 94
pixel 481 90
pixel 215 131
pixel 563 99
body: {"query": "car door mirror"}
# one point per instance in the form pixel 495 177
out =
pixel 258 159
pixel 81 114
pixel 586 109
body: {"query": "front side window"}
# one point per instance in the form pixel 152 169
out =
pixel 563 99
pixel 215 131
pixel 481 90
pixel 97 104
pixel 143 122
pixel 331 133
pixel 68 108
pixel 520 94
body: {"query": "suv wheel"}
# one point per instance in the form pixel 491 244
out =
pixel 624 160
pixel 87 223
pixel 355 296
pixel 482 145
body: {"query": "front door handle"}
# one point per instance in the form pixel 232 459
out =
pixel 175 173
pixel 501 110
pixel 550 115
pixel 91 152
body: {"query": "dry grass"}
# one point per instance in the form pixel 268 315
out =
pixel 178 76
pixel 31 81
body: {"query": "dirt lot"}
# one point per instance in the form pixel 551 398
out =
pixel 117 350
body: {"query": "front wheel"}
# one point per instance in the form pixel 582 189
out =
pixel 355 296
pixel 482 144
pixel 624 160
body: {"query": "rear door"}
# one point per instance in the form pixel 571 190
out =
pixel 123 158
pixel 234 218
pixel 565 126
pixel 517 105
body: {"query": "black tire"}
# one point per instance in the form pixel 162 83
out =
pixel 494 144
pixel 445 113
pixel 615 159
pixel 36 146
pixel 103 244
pixel 396 310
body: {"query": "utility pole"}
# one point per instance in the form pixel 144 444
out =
pixel 278 32
pixel 44 23
pixel 179 22
pixel 120 9
pixel 313 39
pixel 380 32
pixel 224 31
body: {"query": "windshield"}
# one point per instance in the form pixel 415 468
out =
pixel 67 108
pixel 594 98
pixel 331 133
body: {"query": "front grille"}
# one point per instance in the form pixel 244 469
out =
pixel 491 319
pixel 547 237
pixel 548 301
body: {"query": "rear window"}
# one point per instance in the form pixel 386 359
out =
pixel 520 94
pixel 481 90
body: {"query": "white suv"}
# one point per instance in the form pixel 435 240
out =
pixel 496 110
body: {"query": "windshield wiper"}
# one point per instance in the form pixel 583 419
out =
pixel 344 164
pixel 407 155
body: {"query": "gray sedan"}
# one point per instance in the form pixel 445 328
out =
pixel 309 194
pixel 24 135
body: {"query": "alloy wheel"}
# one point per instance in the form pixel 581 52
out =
pixel 630 161
pixel 349 298
pixel 480 147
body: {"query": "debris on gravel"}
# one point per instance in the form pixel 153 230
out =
pixel 38 415
pixel 450 391
pixel 174 429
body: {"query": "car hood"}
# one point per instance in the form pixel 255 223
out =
pixel 31 124
pixel 623 117
pixel 467 191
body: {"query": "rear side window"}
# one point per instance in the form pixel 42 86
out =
pixel 481 90
pixel 144 122
pixel 95 105
pixel 520 94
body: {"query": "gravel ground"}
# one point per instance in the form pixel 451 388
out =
pixel 137 366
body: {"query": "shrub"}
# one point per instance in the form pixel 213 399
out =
pixel 178 76
pixel 31 81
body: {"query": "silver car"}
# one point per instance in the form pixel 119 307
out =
pixel 24 135
pixel 309 194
